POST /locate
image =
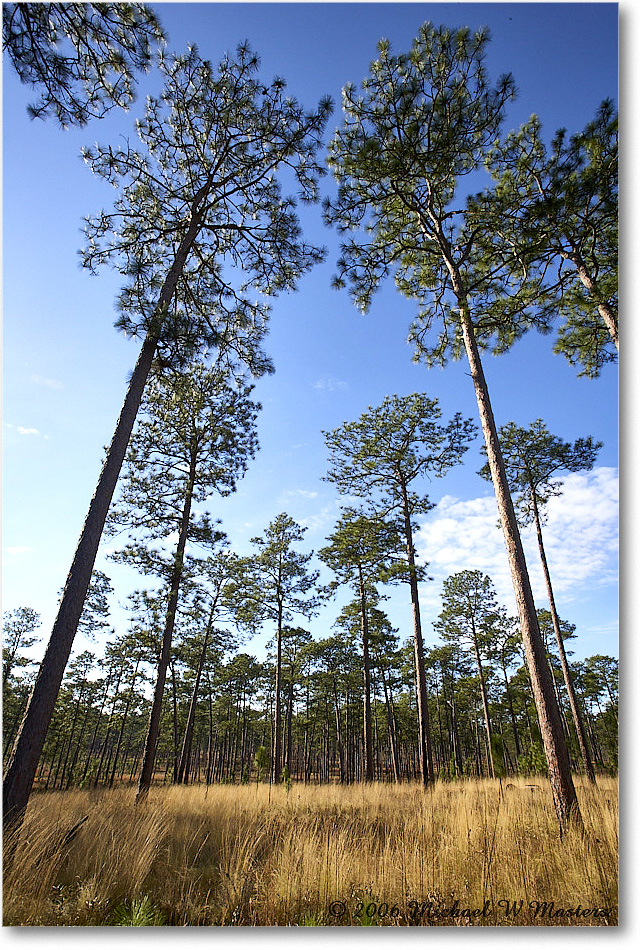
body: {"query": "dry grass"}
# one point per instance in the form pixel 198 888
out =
pixel 242 855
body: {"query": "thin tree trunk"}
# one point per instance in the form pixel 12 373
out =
pixel 189 729
pixel 276 764
pixel 288 724
pixel 70 774
pixel 71 734
pixel 19 775
pixel 122 725
pixel 559 767
pixel 367 709
pixel 605 311
pixel 390 717
pixel 337 719
pixel 459 761
pixel 568 679
pixel 104 746
pixel 172 669
pixel 425 751
pixel 484 696
pixel 147 769
pixel 98 722
pixel 509 701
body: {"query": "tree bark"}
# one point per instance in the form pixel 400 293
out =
pixel 121 733
pixel 425 751
pixel 568 679
pixel 147 769
pixel 189 728
pixel 367 709
pixel 484 697
pixel 18 779
pixel 337 720
pixel 604 310
pixel 276 763
pixel 559 767
pixel 509 702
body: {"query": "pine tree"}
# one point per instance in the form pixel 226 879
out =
pixel 470 612
pixel 533 457
pixel 377 458
pixel 17 627
pixel 360 549
pixel 196 438
pixel 421 123
pixel 275 584
pixel 80 57
pixel 203 234
pixel 557 212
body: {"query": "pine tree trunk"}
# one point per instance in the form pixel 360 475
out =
pixel 98 722
pixel 367 709
pixel 604 310
pixel 74 761
pixel 189 729
pixel 31 736
pixel 18 779
pixel 484 697
pixel 568 679
pixel 71 734
pixel 509 701
pixel 123 723
pixel 459 761
pixel 147 769
pixel 390 717
pixel 276 763
pixel 337 720
pixel 559 768
pixel 288 724
pixel 425 751
pixel 103 748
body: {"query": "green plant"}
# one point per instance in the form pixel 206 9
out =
pixel 138 913
pixel 533 762
pixel 261 763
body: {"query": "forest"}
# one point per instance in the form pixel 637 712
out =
pixel 367 726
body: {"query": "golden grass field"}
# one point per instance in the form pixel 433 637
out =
pixel 464 854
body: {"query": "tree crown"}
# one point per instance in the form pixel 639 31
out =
pixel 214 143
pixel 80 57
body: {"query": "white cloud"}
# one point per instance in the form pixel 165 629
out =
pixel 18 549
pixel 580 540
pixel 44 381
pixel 300 493
pixel 323 520
pixel 330 384
pixel 22 430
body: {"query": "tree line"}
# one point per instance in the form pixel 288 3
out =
pixel 218 719
pixel 205 238
pixel 361 704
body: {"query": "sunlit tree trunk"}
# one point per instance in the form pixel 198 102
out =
pixel 425 752
pixel 189 728
pixel 18 779
pixel 559 767
pixel 147 769
pixel 568 679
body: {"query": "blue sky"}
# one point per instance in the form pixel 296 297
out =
pixel 66 367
